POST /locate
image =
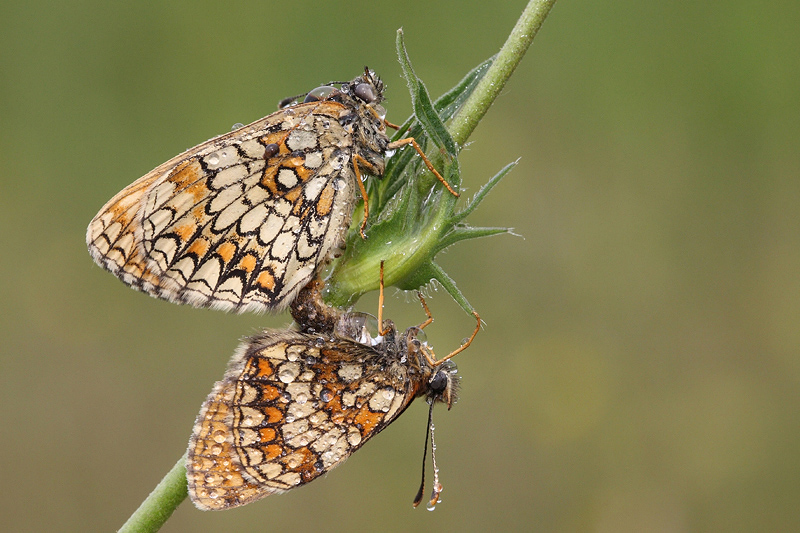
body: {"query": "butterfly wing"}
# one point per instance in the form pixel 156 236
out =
pixel 290 408
pixel 240 222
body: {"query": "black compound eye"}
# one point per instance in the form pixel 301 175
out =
pixel 365 92
pixel 320 93
pixel 439 382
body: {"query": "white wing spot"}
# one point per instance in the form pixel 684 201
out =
pixel 313 160
pixel 301 139
pixel 287 178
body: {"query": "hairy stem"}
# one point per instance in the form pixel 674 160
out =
pixel 464 122
pixel 161 503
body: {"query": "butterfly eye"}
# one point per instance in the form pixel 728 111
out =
pixel 320 93
pixel 439 382
pixel 365 92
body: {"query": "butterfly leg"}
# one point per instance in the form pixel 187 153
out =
pixel 431 357
pixel 410 140
pixel 381 330
pixel 427 312
pixel 358 160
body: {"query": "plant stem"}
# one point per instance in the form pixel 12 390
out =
pixel 479 102
pixel 161 503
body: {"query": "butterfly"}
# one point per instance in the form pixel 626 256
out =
pixel 243 221
pixel 295 404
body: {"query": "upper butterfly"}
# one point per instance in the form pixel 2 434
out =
pixel 241 222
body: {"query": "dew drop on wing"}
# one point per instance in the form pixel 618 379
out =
pixel 237 126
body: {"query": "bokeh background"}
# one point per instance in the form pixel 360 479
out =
pixel 640 365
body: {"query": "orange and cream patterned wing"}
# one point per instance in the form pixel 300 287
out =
pixel 291 407
pixel 240 222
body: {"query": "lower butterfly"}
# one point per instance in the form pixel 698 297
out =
pixel 295 404
pixel 243 221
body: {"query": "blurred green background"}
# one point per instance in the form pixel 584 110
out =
pixel 640 367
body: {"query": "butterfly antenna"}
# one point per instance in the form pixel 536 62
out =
pixel 418 497
pixel 290 99
pixel 437 487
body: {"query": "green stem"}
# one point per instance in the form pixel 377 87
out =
pixel 488 89
pixel 161 503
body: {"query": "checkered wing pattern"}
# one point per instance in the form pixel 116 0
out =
pixel 291 407
pixel 240 222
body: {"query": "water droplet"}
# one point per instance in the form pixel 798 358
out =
pixel 464 341
pixel 286 375
pixel 219 437
pixel 289 419
pixel 213 159
pixel 311 360
pixel 339 184
pixel 319 466
pixel 325 395
pixel 319 342
pixel 216 449
pixel 301 399
pixel 388 393
pixel 431 506
pixel 237 126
